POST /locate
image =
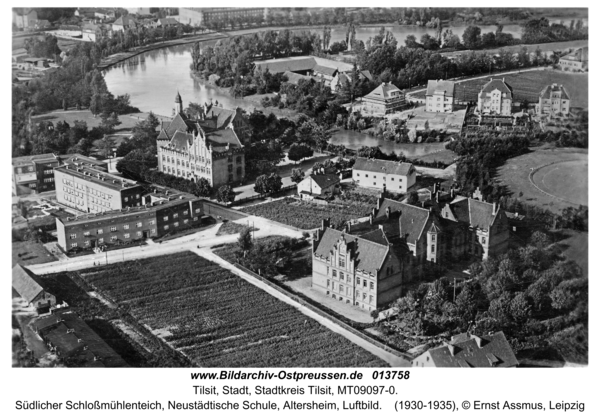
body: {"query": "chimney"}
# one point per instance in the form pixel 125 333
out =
pixel 379 201
pixel 437 197
pixel 371 219
pixel 381 228
pixel 503 80
pixel 495 208
pixel 451 349
pixel 435 188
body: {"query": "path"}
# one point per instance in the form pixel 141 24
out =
pixel 391 359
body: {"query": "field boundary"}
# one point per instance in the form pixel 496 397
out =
pixel 324 314
pixel 535 170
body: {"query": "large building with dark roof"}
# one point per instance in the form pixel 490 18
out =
pixel 207 145
pixel 384 174
pixel 553 100
pixel 495 98
pixel 470 351
pixel 360 270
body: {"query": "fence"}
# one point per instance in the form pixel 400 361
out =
pixel 325 314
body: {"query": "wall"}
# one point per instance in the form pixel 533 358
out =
pixel 396 183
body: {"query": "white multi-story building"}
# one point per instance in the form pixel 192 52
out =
pixel 495 97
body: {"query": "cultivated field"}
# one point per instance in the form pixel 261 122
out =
pixel 528 85
pixel 304 215
pixel 559 179
pixel 219 320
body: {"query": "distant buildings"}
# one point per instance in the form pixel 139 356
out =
pixel 202 16
pixel 362 271
pixel 32 288
pixel 384 99
pixel 575 61
pixel 439 96
pixel 318 185
pixel 470 351
pixel 74 342
pixel 553 100
pixel 495 98
pixel 316 67
pixel 384 174
pixel 92 190
pixel 35 174
pixel 206 145
pixel 124 22
pixel 160 211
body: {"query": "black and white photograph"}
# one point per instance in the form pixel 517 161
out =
pixel 299 188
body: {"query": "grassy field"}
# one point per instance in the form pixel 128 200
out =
pixel 128 121
pixel 575 247
pixel 305 215
pixel 231 228
pixel 528 85
pixel 219 320
pixel 567 181
pixel 446 156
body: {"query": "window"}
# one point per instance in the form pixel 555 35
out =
pixel 370 299
pixel 113 238
pixel 238 160
pixel 125 227
pixel 185 221
pixel 152 230
pixel 86 233
pixel 138 224
pixel 73 236
pixel 166 227
pixel 195 219
pixel 483 240
pixel 137 196
pixel 334 273
pixel 100 240
pixel 328 282
pixel 364 296
pixel 432 248
pixel 342 261
pixel 100 231
pixel 126 236
pixel 358 281
pixel 176 216
pixel 185 212
pixel 126 199
pixel 175 224
pixel 166 218
pixel 197 210
pixel 113 228
pixel 139 234
pixel 341 276
pixel 341 288
pixel 433 237
pixel 151 222
pixel 74 245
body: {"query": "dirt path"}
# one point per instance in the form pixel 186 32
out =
pixel 391 359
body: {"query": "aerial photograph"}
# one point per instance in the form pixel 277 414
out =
pixel 299 187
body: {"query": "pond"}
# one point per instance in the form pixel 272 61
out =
pixel 354 140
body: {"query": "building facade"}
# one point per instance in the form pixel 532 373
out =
pixel 384 99
pixel 24 18
pixel 164 211
pixel 575 61
pixel 33 289
pixel 205 147
pixel 495 98
pixel 439 96
pixel 35 174
pixel 317 185
pixel 202 16
pixel 92 190
pixel 553 100
pixel 384 174
pixel 361 271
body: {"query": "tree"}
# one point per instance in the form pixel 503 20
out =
pixel 245 240
pixel 109 122
pixel 203 187
pixel 298 152
pixel 225 194
pixel 83 147
pixel 472 37
pixel 274 183
pixel 297 175
pixel 136 163
pixel 413 198
pixel 107 146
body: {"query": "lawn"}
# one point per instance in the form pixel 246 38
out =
pixel 218 319
pixel 30 253
pixel 446 156
pixel 305 215
pixel 575 247
pixel 128 121
pixel 567 181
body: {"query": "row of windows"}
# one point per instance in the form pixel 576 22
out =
pixel 170 170
pixel 25 169
pixel 47 180
pixel 384 178
pixel 186 163
pixel 48 171
pixel 112 238
pixel 364 297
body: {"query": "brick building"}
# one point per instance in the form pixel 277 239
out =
pixel 384 174
pixel 440 96
pixel 495 97
pixel 207 146
pixel 92 190
pixel 163 211
pixel 35 174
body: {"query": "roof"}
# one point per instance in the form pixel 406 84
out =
pixel 223 137
pixel 477 214
pixel 325 70
pixel 498 84
pixel 168 21
pixel 467 350
pixel 547 91
pixel 27 284
pixel 325 180
pixel 179 123
pixel 97 176
pixel 383 91
pixel 383 166
pixel 181 140
pixel 369 256
pixel 294 78
pixel 125 21
pixel 303 63
pixel 217 117
pixel 580 54
pixel 440 86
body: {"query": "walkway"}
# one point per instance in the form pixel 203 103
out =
pixel 391 359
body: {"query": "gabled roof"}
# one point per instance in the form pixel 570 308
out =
pixel 498 84
pixel 440 86
pixel 580 54
pixel 225 137
pixel 369 256
pixel 179 123
pixel 125 21
pixel 475 213
pixel 412 219
pixel 168 21
pixel 325 70
pixel 547 92
pixel 325 180
pixel 181 140
pixel 383 91
pixel 27 284
pixel 218 118
pixel 162 135
pixel 280 65
pixel 294 78
pixel 383 166
pixel 467 350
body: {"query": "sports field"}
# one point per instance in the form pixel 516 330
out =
pixel 551 178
